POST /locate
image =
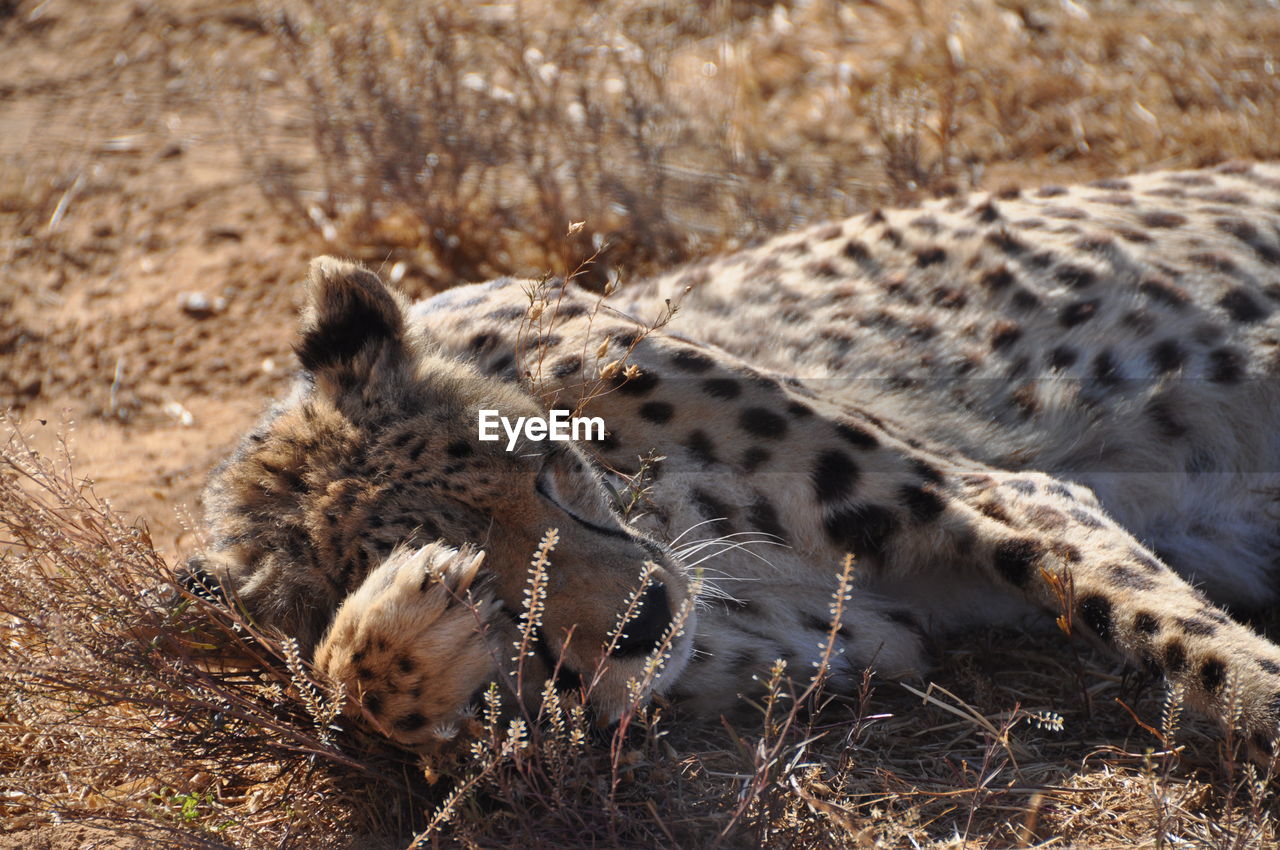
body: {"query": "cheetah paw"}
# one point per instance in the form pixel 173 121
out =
pixel 409 644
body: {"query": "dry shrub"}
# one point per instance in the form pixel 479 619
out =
pixel 464 138
pixel 129 703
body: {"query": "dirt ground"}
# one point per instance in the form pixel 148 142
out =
pixel 123 198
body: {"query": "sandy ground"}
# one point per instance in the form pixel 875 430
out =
pixel 124 201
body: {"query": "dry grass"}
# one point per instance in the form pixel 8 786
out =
pixel 463 139
pixel 459 141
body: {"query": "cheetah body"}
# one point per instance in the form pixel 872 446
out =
pixel 1059 401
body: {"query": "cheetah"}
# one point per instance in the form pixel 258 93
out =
pixel 1059 401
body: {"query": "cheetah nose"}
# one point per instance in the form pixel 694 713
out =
pixel 644 631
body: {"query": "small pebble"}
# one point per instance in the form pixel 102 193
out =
pixel 201 306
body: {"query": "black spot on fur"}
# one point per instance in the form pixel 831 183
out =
pixel 754 457
pixel 1242 306
pixel 1164 291
pixel 507 314
pixel 1040 259
pixel 1095 244
pixel 641 384
pixel 626 338
pixel 1163 219
pixel 1063 357
pixel 1106 370
pixel 723 388
pixel 1197 626
pixel 762 422
pixel 458 449
pixel 834 475
pixel 1006 242
pixel 1214 261
pixel 799 411
pixel 566 367
pixel 1045 517
pixel 1146 624
pixel 764 517
pixel 691 361
pixel 948 298
pixel 1004 334
pixel 997 279
pixel 922 501
pixel 1078 313
pixel 372 702
pixel 1212 674
pixel 823 269
pixel 995 510
pixel 1095 611
pixel 863 530
pixel 857 437
pixel 927 471
pixel 1167 356
pixel 1076 277
pixel 1268 666
pixel 657 412
pixel 1014 560
pixel 856 251
pixel 1247 233
pixel 1126 576
pixel 701 447
pixel 1226 366
pixel 816 623
pixel 1147 562
pixel 1025 486
pixel 930 257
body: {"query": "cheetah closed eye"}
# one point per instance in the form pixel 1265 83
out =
pixel 986 401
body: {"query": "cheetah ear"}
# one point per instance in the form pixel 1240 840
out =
pixel 350 320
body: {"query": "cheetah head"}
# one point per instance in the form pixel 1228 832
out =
pixel 377 449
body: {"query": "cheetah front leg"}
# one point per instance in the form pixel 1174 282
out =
pixel 1052 543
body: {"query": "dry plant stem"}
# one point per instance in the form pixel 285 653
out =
pixel 769 754
pixel 535 598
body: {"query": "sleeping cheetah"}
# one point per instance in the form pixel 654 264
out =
pixel 1058 401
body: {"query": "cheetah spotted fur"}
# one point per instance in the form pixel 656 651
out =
pixel 984 400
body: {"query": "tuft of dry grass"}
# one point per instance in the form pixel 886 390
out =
pixel 463 139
